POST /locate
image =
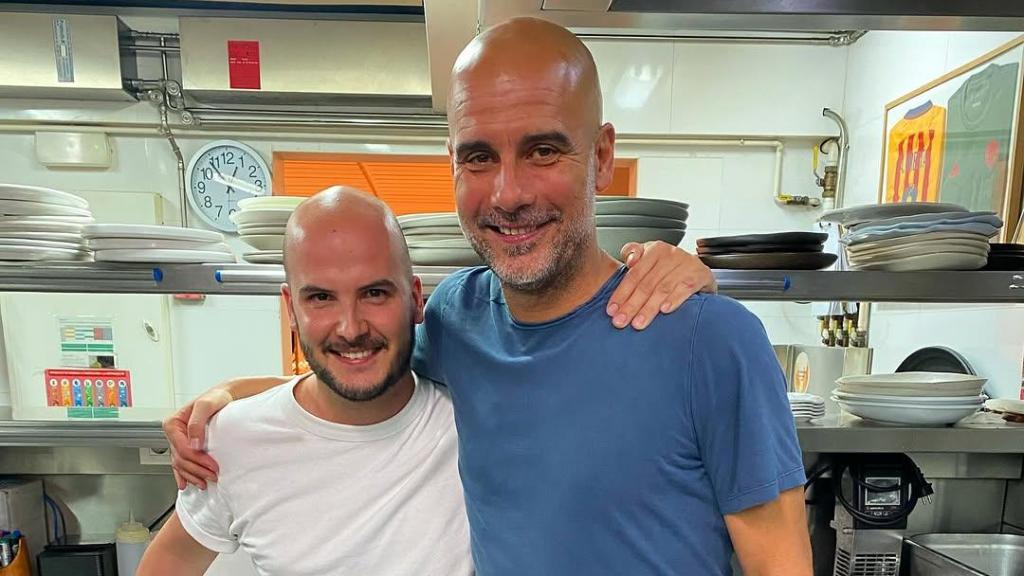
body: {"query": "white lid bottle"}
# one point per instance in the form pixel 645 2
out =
pixel 131 541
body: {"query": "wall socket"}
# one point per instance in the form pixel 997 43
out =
pixel 155 456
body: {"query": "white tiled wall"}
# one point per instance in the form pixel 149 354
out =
pixel 882 67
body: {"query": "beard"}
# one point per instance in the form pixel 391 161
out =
pixel 399 366
pixel 561 262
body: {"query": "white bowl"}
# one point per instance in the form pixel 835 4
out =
pixel 256 202
pixel 914 400
pixel 264 241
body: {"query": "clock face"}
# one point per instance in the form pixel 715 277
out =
pixel 221 174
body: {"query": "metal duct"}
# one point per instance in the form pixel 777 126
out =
pixel 60 56
pixel 332 63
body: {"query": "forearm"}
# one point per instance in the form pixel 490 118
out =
pixel 245 387
pixel 175 553
pixel 772 539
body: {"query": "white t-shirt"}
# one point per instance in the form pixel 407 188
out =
pixel 307 497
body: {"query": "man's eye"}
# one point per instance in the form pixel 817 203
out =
pixel 376 293
pixel 478 158
pixel 320 297
pixel 543 153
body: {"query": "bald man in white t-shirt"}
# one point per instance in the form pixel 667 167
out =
pixel 352 469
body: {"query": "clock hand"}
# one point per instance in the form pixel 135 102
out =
pixel 236 184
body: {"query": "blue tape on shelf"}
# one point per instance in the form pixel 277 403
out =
pixel 216 275
pixel 786 283
pixel 158 275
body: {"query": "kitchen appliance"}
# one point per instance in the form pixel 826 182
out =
pixel 966 554
pixel 78 560
pixel 884 489
pixel 815 369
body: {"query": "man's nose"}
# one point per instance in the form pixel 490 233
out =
pixel 351 324
pixel 509 196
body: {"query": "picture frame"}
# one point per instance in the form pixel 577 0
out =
pixel 958 139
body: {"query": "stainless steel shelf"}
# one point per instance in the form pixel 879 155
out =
pixel 979 287
pixel 91 434
pixel 977 435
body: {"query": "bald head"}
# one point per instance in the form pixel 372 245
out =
pixel 531 52
pixel 349 217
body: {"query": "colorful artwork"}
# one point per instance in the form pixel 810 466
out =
pixel 956 139
pixel 84 389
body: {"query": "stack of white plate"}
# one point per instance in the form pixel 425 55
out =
pixel 40 224
pixel 437 239
pixel 911 398
pixel 935 241
pixel 261 224
pixel 155 244
pixel 806 406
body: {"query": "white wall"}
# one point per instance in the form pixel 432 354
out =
pixel 882 67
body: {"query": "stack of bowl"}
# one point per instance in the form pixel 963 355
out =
pixel 621 220
pixel 261 223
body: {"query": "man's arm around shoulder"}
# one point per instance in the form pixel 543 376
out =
pixel 175 553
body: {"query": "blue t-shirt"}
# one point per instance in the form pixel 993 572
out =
pixel 585 449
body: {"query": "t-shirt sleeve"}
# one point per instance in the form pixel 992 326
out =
pixel 206 517
pixel 741 416
pixel 427 357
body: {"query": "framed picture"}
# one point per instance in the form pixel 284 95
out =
pixel 957 139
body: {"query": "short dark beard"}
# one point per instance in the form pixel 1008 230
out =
pixel 399 369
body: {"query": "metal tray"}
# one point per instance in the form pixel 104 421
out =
pixel 966 555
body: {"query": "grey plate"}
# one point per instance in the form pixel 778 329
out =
pixel 635 221
pixel 858 214
pixel 612 239
pixel 642 207
pixel 760 248
pixel 982 228
pixel 776 238
pixel 460 243
pixel 924 220
pixel 773 261
pixel 420 220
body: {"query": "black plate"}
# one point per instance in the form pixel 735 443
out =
pixel 1007 249
pixel 777 238
pixel 1005 262
pixel 772 261
pixel 760 248
pixel 936 359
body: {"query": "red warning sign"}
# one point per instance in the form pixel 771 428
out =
pixel 244 64
pixel 91 388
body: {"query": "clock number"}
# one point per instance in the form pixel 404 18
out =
pixel 259 184
pixel 202 187
pixel 208 173
pixel 215 162
pixel 252 171
pixel 241 160
pixel 207 202
pixel 228 157
pixel 219 210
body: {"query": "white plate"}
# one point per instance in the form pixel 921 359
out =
pixel 805 397
pixel 449 219
pixel 23 208
pixel 868 212
pixel 75 220
pixel 150 232
pixel 269 257
pixel 150 244
pixel 432 230
pixel 262 216
pixel 1006 405
pixel 160 256
pixel 981 251
pixel 24 254
pixel 941 261
pixel 42 227
pixel 264 241
pixel 32 243
pixel 39 194
pixel 258 202
pixel 257 229
pixel 458 243
pixel 920 220
pixel 913 384
pixel 444 257
pixel 981 228
pixel 32 235
pixel 921 247
pixel 908 414
pixel 917 400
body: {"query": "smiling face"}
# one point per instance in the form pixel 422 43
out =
pixel 351 294
pixel 527 152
